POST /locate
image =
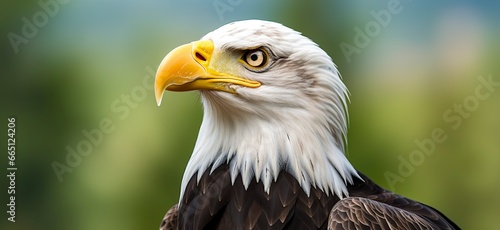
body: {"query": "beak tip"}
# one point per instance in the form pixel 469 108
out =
pixel 158 100
pixel 159 97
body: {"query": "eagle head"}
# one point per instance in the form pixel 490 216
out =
pixel 273 101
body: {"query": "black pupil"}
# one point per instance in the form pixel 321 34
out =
pixel 254 57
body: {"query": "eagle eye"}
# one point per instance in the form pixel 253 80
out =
pixel 255 58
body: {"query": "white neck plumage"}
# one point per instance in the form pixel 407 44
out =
pixel 260 147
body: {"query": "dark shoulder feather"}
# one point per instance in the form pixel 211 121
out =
pixel 205 199
pixel 169 222
pixel 372 207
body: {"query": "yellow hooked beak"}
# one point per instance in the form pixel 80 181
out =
pixel 187 67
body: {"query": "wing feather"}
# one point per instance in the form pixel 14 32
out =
pixel 363 213
pixel 170 220
pixel 371 204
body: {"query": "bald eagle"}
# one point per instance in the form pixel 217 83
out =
pixel 270 150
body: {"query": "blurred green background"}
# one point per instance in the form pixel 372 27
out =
pixel 93 60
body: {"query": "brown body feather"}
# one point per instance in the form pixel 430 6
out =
pixel 214 203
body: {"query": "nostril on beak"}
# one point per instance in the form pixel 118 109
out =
pixel 200 56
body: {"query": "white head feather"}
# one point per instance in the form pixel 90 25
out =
pixel 295 121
